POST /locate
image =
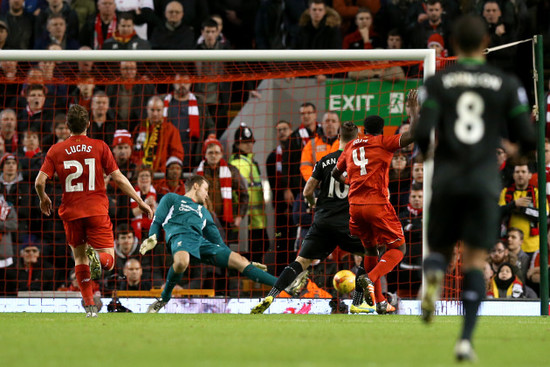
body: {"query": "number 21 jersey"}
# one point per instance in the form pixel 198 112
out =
pixel 367 162
pixel 79 163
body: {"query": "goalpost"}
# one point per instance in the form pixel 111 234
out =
pixel 280 100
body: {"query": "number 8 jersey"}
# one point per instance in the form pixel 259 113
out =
pixel 367 162
pixel 79 163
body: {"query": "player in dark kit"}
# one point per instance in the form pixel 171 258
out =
pixel 472 106
pixel 330 226
pixel 80 163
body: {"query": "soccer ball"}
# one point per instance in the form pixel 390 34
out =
pixel 344 281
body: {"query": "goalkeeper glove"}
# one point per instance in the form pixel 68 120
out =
pixel 148 244
pixel 259 266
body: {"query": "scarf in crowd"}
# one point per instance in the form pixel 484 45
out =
pixel 98 34
pixel 193 111
pixel 509 196
pixel 150 143
pixel 413 211
pixel 304 134
pixel 30 112
pixel 225 187
pixel 123 39
pixel 31 153
pixel 279 159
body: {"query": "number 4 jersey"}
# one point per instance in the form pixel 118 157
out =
pixel 367 162
pixel 79 163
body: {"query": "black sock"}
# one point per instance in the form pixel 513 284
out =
pixel 358 294
pixel 288 275
pixel 472 295
pixel 434 262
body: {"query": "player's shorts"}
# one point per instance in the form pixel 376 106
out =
pixel 471 218
pixel 322 239
pixel 201 250
pixel 97 231
pixel 376 225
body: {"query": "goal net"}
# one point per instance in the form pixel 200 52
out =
pixel 207 103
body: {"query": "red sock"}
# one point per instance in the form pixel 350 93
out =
pixel 82 273
pixel 389 260
pixel 106 260
pixel 378 291
pixel 370 263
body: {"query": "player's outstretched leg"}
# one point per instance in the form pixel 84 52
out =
pixel 358 305
pixel 367 286
pixel 156 306
pixel 95 264
pixel 288 275
pixel 434 271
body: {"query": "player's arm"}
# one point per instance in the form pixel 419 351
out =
pixel 211 231
pixel 127 188
pixel 40 187
pixel 429 115
pixel 154 231
pixel 412 103
pixel 309 189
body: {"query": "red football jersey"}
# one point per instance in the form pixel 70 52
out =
pixel 79 163
pixel 367 162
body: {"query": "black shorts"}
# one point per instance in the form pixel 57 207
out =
pixel 472 218
pixel 322 239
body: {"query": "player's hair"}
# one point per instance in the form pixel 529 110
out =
pixel 123 228
pixel 348 131
pixel 374 125
pixel 195 179
pixel 469 32
pixel 515 229
pixel 210 23
pixel 308 104
pixel 417 186
pixel 77 119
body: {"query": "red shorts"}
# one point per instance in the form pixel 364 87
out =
pixel 97 231
pixel 376 225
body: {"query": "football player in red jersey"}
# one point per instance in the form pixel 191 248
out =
pixel 80 162
pixel 372 218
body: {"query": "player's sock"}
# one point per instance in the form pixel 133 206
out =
pixel 288 275
pixel 82 273
pixel 370 262
pixel 434 262
pixel 258 275
pixel 172 279
pixel 474 291
pixel 389 260
pixel 106 260
pixel 378 291
pixel 358 294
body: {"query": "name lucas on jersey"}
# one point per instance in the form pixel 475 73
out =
pixel 81 148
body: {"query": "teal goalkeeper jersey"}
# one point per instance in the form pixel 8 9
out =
pixel 178 214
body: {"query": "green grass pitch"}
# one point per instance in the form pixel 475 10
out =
pixel 263 340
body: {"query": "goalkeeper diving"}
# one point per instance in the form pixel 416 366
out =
pixel 194 238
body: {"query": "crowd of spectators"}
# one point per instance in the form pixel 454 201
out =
pixel 161 132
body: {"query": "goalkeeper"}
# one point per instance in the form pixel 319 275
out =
pixel 193 237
